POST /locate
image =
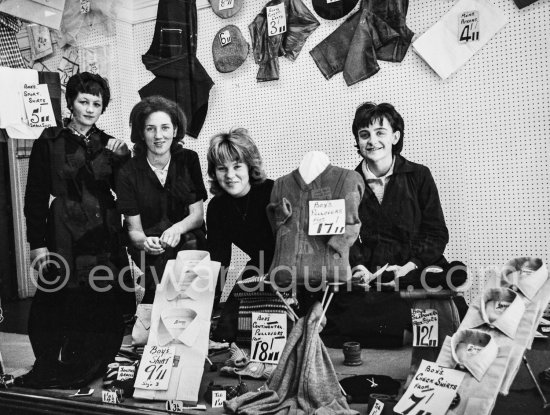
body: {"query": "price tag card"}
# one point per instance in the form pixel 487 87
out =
pixel 425 327
pixel 268 337
pixel 109 397
pixel 84 6
pixel 38 105
pixel 332 1
pixel 125 372
pixel 179 406
pixel 327 217
pixel 225 38
pixel 377 408
pixel 226 4
pixel 431 391
pixel 218 398
pixel 276 19
pixel 155 368
pixel 468 26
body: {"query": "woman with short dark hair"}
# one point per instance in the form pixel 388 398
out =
pixel 76 317
pixel 160 191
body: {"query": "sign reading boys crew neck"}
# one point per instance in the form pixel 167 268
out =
pixel 155 368
pixel 268 337
pixel 226 4
pixel 38 105
pixel 431 391
pixel 425 327
pixel 276 19
pixel 327 217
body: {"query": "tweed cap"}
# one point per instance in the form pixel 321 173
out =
pixel 226 8
pixel 229 49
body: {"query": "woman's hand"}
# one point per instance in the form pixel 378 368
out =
pixel 39 257
pixel 361 275
pixel 152 245
pixel 170 237
pixel 117 146
pixel 402 270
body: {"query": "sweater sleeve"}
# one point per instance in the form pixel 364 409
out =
pixel 127 203
pixel 219 244
pixel 433 237
pixel 37 194
pixel 196 176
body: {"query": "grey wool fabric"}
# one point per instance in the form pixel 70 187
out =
pixel 304 381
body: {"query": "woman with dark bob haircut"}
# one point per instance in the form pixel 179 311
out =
pixel 160 190
pixel 237 213
pixel 76 323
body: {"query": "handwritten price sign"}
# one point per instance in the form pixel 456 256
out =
pixel 109 397
pixel 276 19
pixel 155 368
pixel 225 38
pixel 327 217
pixel 377 408
pixel 226 4
pixel 468 26
pixel 425 327
pixel 431 391
pixel 38 105
pixel 268 337
pixel 218 398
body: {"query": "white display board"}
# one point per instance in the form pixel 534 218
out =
pixel 483 132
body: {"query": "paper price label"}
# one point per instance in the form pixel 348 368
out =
pixel 218 398
pixel 179 406
pixel 227 4
pixel 109 397
pixel 225 38
pixel 377 408
pixel 125 372
pixel 38 105
pixel 327 217
pixel 276 19
pixel 268 337
pixel 155 368
pixel 425 327
pixel 501 306
pixel 431 391
pixel 468 26
pixel 472 349
pixel 84 6
pixel 332 1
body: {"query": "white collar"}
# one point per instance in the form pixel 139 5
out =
pixel 507 321
pixel 369 175
pixel 187 334
pixel 480 353
pixel 189 276
pixel 164 169
pixel 525 274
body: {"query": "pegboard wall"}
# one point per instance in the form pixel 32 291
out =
pixel 483 132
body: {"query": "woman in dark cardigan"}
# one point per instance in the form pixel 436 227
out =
pixel 236 214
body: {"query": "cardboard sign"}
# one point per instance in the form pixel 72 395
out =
pixel 276 19
pixel 125 372
pixel 327 217
pixel 425 327
pixel 377 408
pixel 431 391
pixel 155 368
pixel 218 398
pixel 468 26
pixel 38 105
pixel 109 397
pixel 226 4
pixel 268 337
pixel 225 38
pixel 179 406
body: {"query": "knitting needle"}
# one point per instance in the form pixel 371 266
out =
pixel 290 310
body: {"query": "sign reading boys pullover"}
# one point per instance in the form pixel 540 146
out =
pixel 301 258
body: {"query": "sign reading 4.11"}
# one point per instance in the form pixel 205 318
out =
pixel 468 26
pixel 268 337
